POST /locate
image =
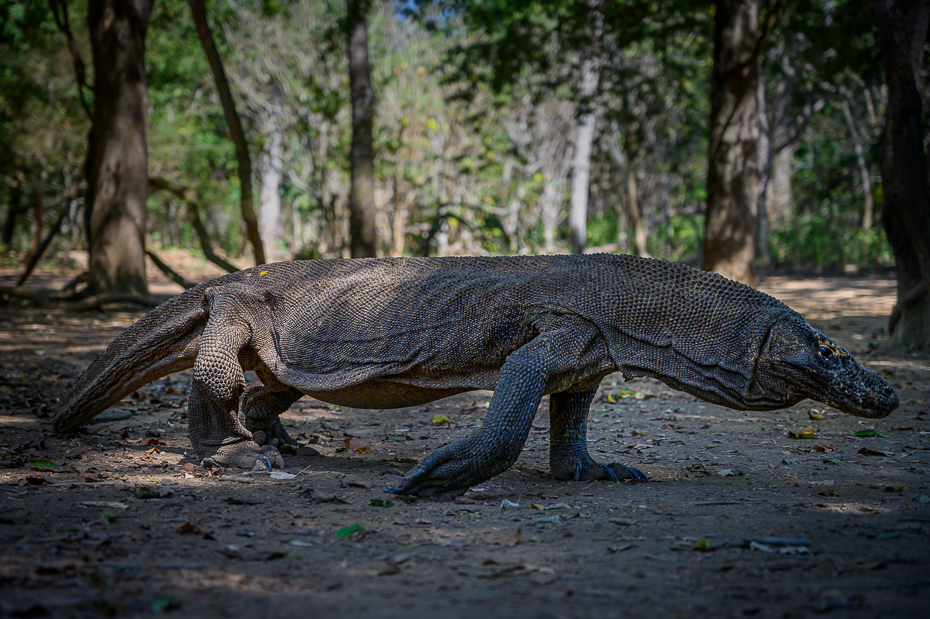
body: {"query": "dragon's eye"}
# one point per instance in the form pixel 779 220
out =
pixel 825 352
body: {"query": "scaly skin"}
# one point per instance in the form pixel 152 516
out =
pixel 389 333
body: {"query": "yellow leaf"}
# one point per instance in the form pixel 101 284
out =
pixel 638 433
pixel 807 432
pixel 441 419
pixel 611 399
pixel 356 445
pixel 432 124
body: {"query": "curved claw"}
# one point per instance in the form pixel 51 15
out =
pixel 428 481
pixel 450 471
pixel 623 472
pixel 262 463
pixel 586 468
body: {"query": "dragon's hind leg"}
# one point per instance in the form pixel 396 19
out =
pixel 261 406
pixel 568 447
pixel 213 406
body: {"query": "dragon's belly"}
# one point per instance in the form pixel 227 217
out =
pixel 400 393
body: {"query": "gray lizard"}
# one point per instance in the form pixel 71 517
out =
pixel 389 333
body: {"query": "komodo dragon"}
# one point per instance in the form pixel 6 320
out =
pixel 389 333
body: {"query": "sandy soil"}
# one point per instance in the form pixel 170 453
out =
pixel 120 519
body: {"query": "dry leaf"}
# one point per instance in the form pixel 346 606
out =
pixel 807 432
pixel 356 445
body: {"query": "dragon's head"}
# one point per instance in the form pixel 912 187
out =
pixel 808 364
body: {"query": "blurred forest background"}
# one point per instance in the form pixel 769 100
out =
pixel 732 135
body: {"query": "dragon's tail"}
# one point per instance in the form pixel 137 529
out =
pixel 164 341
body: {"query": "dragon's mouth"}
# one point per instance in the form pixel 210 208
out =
pixel 859 392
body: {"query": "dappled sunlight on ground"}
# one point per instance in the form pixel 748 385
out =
pixel 121 519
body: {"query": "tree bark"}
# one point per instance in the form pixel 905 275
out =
pixel 270 171
pixel 733 170
pixel 866 179
pixel 234 126
pixel 581 167
pixel 9 226
pixel 117 156
pixel 902 29
pixel 363 233
pixel 584 137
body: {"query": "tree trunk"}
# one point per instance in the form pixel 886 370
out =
pixel 9 226
pixel 117 174
pixel 733 171
pixel 867 205
pixel 270 172
pixel 549 205
pixel 38 213
pixel 234 126
pixel 584 137
pixel 640 234
pixel 906 188
pixel 781 196
pixel 363 233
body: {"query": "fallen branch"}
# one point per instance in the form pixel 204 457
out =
pixel 99 300
pixel 176 277
pixel 39 299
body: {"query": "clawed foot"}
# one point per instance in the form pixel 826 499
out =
pixel 272 433
pixel 246 455
pixel 588 469
pixel 450 471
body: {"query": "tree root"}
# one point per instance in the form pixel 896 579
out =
pixel 910 297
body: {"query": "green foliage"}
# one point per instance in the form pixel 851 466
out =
pixel 476 105
pixel 812 239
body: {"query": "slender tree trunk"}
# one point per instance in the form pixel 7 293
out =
pixel 733 170
pixel 549 204
pixel 584 137
pixel 363 233
pixel 640 234
pixel 581 172
pixel 868 204
pixel 38 213
pixel 270 171
pixel 117 157
pixel 781 196
pixel 9 226
pixel 234 126
pixel 906 188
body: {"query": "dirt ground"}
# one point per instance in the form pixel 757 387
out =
pixel 121 520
